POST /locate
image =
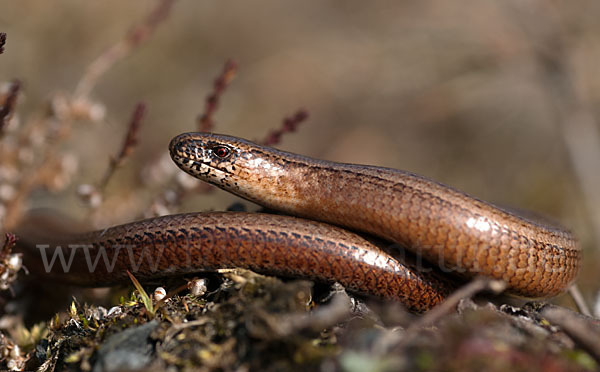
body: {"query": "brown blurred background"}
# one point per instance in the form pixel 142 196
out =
pixel 497 98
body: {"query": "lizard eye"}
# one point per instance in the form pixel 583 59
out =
pixel 221 151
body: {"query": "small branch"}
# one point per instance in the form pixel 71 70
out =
pixel 290 124
pixel 129 144
pixel 398 339
pixel 579 300
pixel 576 327
pixel 336 311
pixel 205 121
pixel 2 41
pixel 122 48
pixel 467 291
pixel 176 328
pixel 7 109
pixel 56 125
pixel 171 198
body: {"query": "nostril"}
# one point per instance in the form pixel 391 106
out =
pixel 185 147
pixel 179 147
pixel 180 144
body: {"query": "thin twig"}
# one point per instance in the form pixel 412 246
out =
pixel 129 144
pixel 577 328
pixel 205 121
pixel 396 339
pixel 582 139
pixel 176 328
pixel 8 108
pixel 579 300
pixel 61 129
pixel 326 316
pixel 478 285
pixel 123 47
pixel 289 125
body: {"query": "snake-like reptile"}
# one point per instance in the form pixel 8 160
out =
pixel 446 227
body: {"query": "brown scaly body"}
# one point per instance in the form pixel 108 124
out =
pixel 461 234
pixel 444 225
pixel 188 243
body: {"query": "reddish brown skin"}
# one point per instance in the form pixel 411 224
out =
pixel 442 224
pixel 463 234
pixel 271 244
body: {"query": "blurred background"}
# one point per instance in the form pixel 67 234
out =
pixel 496 98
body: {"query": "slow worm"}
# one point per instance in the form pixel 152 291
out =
pixel 448 228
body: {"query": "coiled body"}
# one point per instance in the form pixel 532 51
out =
pixel 462 235
pixel 448 227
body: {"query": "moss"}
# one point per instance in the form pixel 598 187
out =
pixel 257 322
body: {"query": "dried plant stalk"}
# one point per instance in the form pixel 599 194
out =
pixel 205 121
pixel 129 144
pixel 2 41
pixel 7 109
pixel 289 125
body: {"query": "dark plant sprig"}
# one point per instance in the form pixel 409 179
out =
pixel 7 109
pixel 10 263
pixel 289 125
pixel 2 41
pixel 129 143
pixel 205 121
pixel 56 124
pixel 9 242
